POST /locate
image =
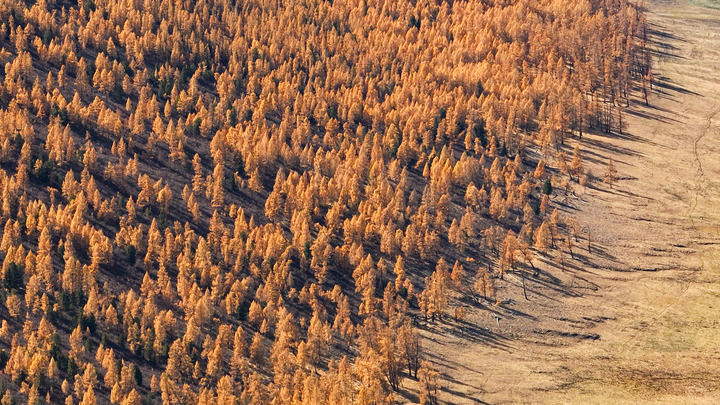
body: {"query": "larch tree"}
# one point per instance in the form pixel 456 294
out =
pixel 434 298
pixel 611 175
pixel 429 384
pixel 543 237
pixel 218 190
pixel 457 274
pixel 576 163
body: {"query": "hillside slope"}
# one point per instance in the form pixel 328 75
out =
pixel 272 202
pixel 643 326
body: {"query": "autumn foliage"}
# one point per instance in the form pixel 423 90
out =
pixel 250 201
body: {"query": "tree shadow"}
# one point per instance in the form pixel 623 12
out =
pixel 659 38
pixel 408 395
pixel 666 84
pixel 598 143
pixel 468 331
pixel 450 365
pixel 462 394
pixel 651 116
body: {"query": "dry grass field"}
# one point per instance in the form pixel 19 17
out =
pixel 635 319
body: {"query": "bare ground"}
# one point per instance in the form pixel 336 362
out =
pixel 635 319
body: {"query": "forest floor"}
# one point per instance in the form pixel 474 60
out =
pixel 636 319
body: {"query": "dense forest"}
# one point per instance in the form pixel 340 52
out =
pixel 254 201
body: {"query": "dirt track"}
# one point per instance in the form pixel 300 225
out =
pixel 638 319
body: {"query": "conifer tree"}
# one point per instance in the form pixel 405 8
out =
pixel 610 176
